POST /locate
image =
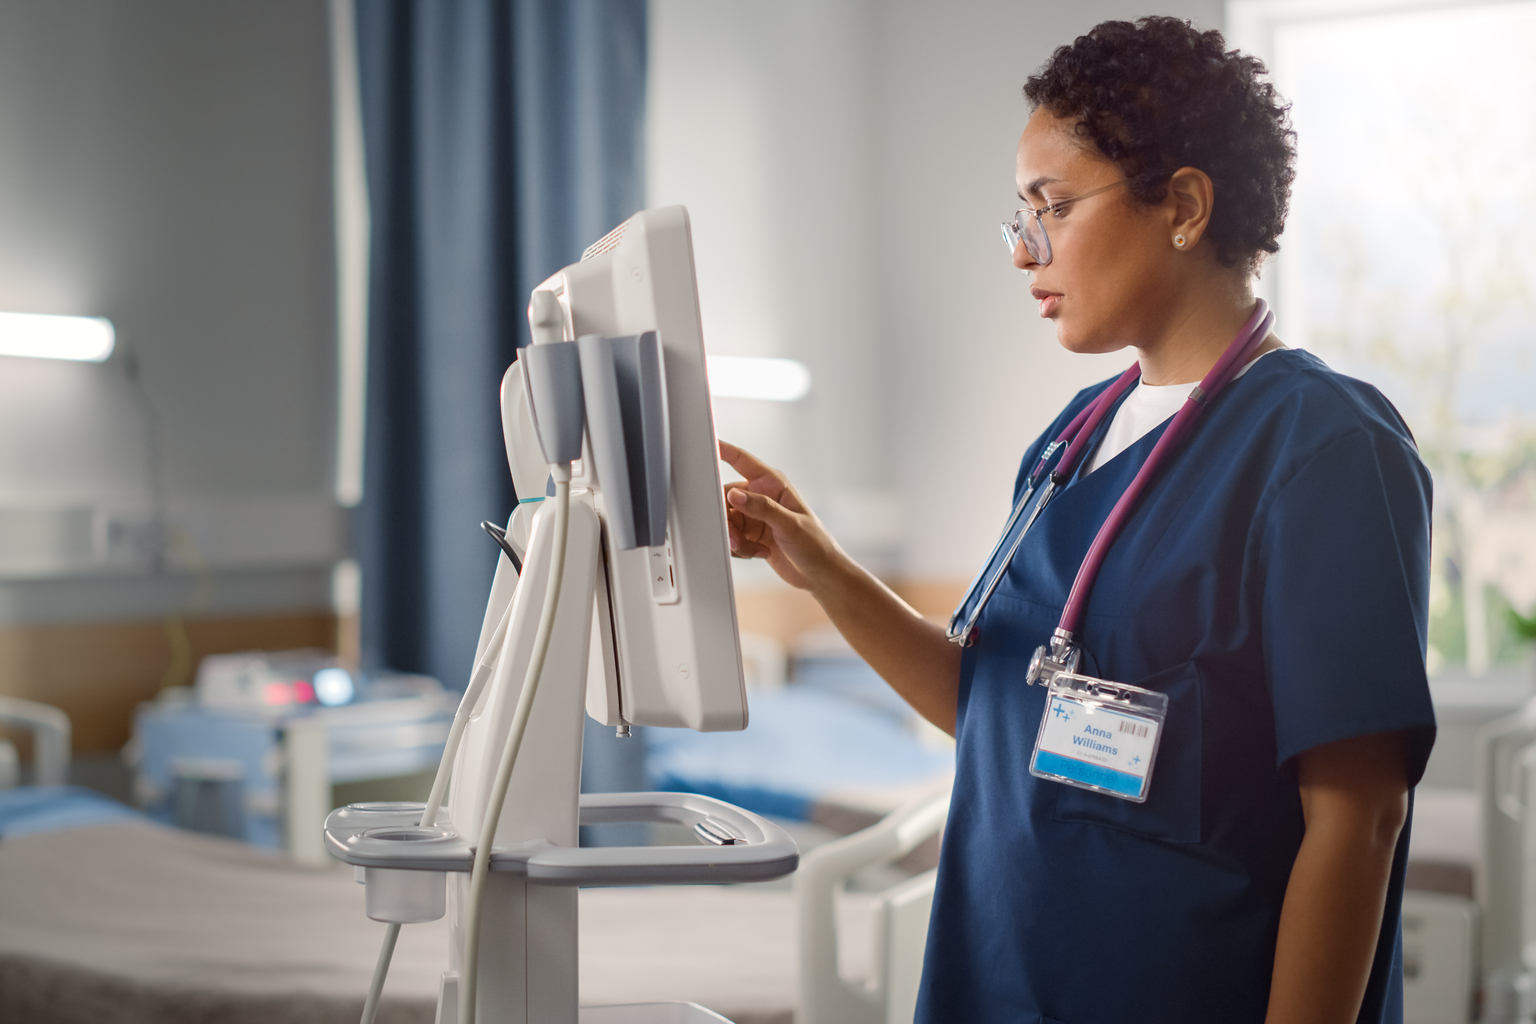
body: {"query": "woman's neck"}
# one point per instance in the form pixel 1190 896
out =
pixel 1191 343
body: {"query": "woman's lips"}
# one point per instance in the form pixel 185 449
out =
pixel 1048 301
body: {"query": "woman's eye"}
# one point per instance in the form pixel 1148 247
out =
pixel 1060 212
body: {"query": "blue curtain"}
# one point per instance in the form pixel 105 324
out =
pixel 501 138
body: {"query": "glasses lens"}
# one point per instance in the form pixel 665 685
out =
pixel 1036 241
pixel 1011 235
pixel 1026 228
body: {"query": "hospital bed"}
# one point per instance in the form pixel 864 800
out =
pixel 134 922
pixel 106 916
pixel 129 921
pixel 109 917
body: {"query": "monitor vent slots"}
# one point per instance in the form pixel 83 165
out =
pixel 602 245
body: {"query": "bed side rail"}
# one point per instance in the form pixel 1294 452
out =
pixel 50 736
pixel 901 917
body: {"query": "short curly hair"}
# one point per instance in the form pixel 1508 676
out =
pixel 1160 94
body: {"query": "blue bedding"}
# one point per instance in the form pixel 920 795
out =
pixel 830 730
pixel 33 809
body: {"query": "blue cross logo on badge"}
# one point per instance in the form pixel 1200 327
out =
pixel 1063 712
pixel 1136 760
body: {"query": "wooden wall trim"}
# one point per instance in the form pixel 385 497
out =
pixel 787 614
pixel 97 672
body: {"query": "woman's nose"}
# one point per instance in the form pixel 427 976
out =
pixel 1022 259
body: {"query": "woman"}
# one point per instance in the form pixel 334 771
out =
pixel 1271 581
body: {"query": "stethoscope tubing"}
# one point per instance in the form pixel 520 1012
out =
pixel 1078 433
pixel 1235 357
pixel 1045 497
pixel 1082 425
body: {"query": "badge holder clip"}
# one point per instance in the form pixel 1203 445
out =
pixel 1099 735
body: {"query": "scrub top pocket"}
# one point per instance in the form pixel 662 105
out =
pixel 1171 812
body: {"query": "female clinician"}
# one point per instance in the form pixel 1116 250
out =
pixel 1266 587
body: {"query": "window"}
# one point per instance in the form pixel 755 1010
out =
pixel 1409 260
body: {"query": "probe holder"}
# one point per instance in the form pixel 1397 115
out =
pixel 736 845
pixel 622 379
pixel 554 388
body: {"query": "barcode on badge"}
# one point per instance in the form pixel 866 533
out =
pixel 1137 729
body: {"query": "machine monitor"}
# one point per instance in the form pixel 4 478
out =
pixel 665 648
pixel 615 594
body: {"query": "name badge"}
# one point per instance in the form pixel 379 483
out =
pixel 1099 735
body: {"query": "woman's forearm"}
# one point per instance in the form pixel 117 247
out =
pixel 909 652
pixel 1355 803
pixel 1329 928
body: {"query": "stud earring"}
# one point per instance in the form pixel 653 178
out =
pixel 1178 241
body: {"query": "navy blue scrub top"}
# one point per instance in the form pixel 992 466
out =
pixel 1274 582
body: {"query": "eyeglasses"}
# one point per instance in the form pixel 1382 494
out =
pixel 1028 225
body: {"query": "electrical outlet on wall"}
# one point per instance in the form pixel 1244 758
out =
pixel 121 538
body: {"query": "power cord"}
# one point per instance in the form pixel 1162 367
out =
pixel 380 970
pixel 477 683
pixel 561 472
pixel 482 676
pixel 552 373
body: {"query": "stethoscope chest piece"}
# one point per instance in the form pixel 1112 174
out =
pixel 1062 655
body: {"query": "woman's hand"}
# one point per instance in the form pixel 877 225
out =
pixel 768 520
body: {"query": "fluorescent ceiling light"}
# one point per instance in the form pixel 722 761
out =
pixel 772 380
pixel 84 338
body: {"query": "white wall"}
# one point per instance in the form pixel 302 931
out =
pixel 763 122
pixel 847 164
pixel 166 163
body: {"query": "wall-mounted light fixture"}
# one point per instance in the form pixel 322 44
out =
pixel 771 380
pixel 83 338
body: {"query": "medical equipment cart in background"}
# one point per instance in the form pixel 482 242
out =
pixel 256 748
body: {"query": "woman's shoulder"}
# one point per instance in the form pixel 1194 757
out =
pixel 1317 405
pixel 1299 417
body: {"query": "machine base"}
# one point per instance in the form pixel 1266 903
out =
pixel 650 1013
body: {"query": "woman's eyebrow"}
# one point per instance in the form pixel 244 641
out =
pixel 1034 187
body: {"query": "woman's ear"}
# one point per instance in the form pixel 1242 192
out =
pixel 1190 200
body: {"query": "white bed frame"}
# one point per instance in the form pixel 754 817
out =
pixel 50 742
pixel 900 919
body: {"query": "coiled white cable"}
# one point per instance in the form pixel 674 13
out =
pixel 468 976
pixel 482 675
pixel 483 672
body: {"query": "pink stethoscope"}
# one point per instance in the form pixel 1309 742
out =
pixel 1063 653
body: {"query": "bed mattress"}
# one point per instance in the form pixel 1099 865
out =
pixel 133 923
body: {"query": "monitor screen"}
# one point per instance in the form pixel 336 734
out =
pixel 665 647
